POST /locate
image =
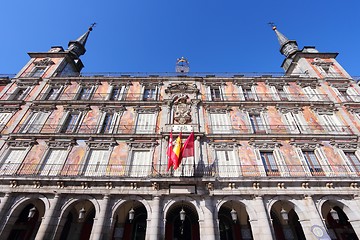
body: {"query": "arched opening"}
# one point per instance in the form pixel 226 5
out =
pixel 130 222
pixel 234 222
pixel 285 222
pixel 78 221
pixel 182 223
pixel 337 222
pixel 27 224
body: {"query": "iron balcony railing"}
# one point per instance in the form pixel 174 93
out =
pixel 279 129
pixel 210 129
pixel 184 170
pixel 85 129
pixel 266 97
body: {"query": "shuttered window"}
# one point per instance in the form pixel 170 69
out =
pixel 35 122
pixel 117 93
pixel 53 162
pixel 71 122
pixel 311 93
pixel 332 123
pixel 352 161
pixel 20 93
pixel 96 163
pixel 257 123
pixel 107 123
pixel 150 94
pixel 52 93
pixel 295 122
pixel 146 123
pixel 12 160
pixel 85 93
pixel 220 123
pixel 227 164
pixel 4 118
pixel 140 165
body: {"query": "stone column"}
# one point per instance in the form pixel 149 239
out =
pixel 261 228
pixel 3 203
pixel 48 223
pixel 312 218
pixel 99 221
pixel 153 229
pixel 207 225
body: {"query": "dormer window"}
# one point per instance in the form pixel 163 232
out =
pixel 37 72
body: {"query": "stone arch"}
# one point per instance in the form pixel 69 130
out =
pixel 300 210
pixel 250 210
pixel 194 202
pixel 351 214
pixel 22 201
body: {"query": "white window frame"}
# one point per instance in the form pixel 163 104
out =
pixel 321 158
pixel 21 97
pixel 210 89
pixel 296 122
pixel 353 170
pixel 120 96
pixel 278 158
pixel 311 93
pixel 147 125
pixel 4 119
pixel 144 156
pixel 245 93
pixel 263 127
pixel 113 125
pixel 35 122
pixel 227 161
pixel 89 94
pixel 154 95
pixel 34 70
pixel 276 95
pixel 220 122
pixel 9 166
pixel 96 165
pixel 331 122
pixel 56 163
pixel 77 123
pixel 56 93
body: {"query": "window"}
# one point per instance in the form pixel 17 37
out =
pixel 295 122
pixel 71 122
pixel 146 123
pixel 269 163
pixel 117 93
pixel 12 160
pixel 353 162
pixel 53 162
pixel 311 93
pixel 150 94
pixel 279 93
pixel 257 124
pixel 20 93
pixel 108 122
pixel 226 163
pixel 215 93
pixel 4 118
pixel 85 93
pixel 332 123
pixel 220 123
pixel 249 95
pixel 52 93
pixel 347 95
pixel 140 165
pixel 96 163
pixel 313 163
pixel 37 72
pixel 35 122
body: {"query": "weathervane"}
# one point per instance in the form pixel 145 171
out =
pixel 272 25
pixel 92 26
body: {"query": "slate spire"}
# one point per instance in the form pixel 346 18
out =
pixel 77 47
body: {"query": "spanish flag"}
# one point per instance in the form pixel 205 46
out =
pixel 176 153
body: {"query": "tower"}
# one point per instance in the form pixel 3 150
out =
pixel 308 61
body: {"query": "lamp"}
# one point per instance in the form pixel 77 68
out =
pixel 334 215
pixel 284 215
pixel 233 215
pixel 182 215
pixel 31 213
pixel 131 214
pixel 82 212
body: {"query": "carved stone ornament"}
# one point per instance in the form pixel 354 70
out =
pixel 42 108
pixel 26 82
pixel 210 109
pixel 253 109
pixel 89 83
pixel 313 83
pixel 341 86
pixel 59 82
pixel 145 145
pixel 113 82
pixel 214 84
pixel 182 88
pixel 9 108
pixel 287 109
pixel 100 144
pixel 245 84
pixel 44 62
pixel 265 144
pixel 182 109
pixel 324 110
pixel 139 109
pixel 306 145
pixel 223 145
pixel 72 108
pixel 112 109
pixel 151 84
pixel 276 84
pixel 345 145
pixel 21 143
pixel 321 62
pixel 52 143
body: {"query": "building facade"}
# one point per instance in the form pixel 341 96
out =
pixel 85 156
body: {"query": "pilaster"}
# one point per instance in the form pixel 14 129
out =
pixel 99 221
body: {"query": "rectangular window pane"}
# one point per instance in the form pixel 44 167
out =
pixel 37 72
pixel 85 93
pixel 353 160
pixel 149 94
pixel 140 165
pixel 53 162
pixel 96 162
pixel 269 162
pixel 12 161
pixel 215 93
pixel 145 123
pixel 256 123
pixel 313 163
pixel 71 123
pixel 227 165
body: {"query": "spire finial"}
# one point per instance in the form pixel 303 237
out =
pixel 77 47
pixel 92 26
pixel 287 47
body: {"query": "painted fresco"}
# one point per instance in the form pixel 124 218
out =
pixel 237 121
pixel 70 91
pixel 127 121
pixel 312 121
pixel 90 120
pixel 12 121
pixel 231 92
pixel 311 60
pixel 292 160
pixel 33 158
pixel 101 91
pixel 52 123
pixel 262 92
pixel 334 159
pixel 73 163
pixel 117 161
pixel 295 89
pixel 275 121
pixel 248 162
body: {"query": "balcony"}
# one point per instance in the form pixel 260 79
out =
pixel 160 171
pixel 85 129
pixel 279 129
pixel 266 97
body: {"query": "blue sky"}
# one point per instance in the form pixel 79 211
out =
pixel 148 35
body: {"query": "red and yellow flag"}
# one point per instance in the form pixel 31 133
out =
pixel 176 152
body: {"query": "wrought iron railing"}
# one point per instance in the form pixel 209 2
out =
pixel 266 97
pixel 279 129
pixel 98 97
pixel 85 129
pixel 184 170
